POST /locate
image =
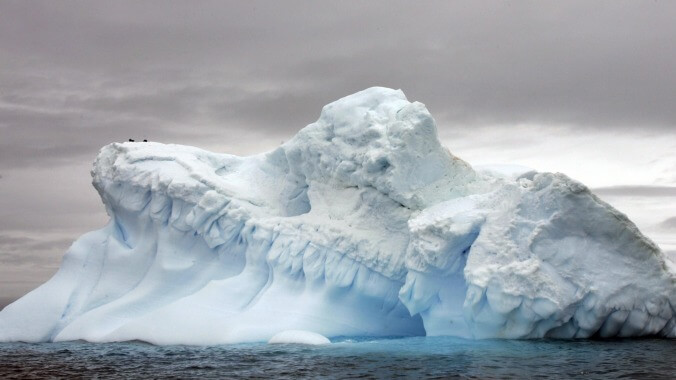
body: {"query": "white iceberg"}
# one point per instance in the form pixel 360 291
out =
pixel 362 225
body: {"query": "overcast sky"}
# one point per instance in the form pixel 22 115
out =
pixel 584 88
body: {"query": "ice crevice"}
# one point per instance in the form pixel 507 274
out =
pixel 362 224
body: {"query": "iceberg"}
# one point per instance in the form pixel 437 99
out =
pixel 363 224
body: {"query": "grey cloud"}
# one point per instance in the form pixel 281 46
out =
pixel 4 301
pixel 668 225
pixel 589 65
pixel 24 251
pixel 15 282
pixel 62 127
pixel 638 191
pixel 26 262
pixel 49 200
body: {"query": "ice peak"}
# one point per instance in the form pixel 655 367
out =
pixel 377 138
pixel 347 113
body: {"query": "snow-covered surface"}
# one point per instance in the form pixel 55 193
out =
pixel 362 224
pixel 299 337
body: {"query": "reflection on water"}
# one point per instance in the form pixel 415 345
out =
pixel 430 357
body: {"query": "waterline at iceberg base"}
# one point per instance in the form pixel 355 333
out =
pixel 362 225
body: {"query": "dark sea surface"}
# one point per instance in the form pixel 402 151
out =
pixel 431 357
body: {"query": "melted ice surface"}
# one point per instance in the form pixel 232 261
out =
pixel 361 225
pixel 299 337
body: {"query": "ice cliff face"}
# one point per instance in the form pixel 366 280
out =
pixel 362 224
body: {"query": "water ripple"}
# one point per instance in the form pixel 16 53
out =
pixel 432 357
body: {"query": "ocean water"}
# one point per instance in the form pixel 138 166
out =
pixel 421 357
